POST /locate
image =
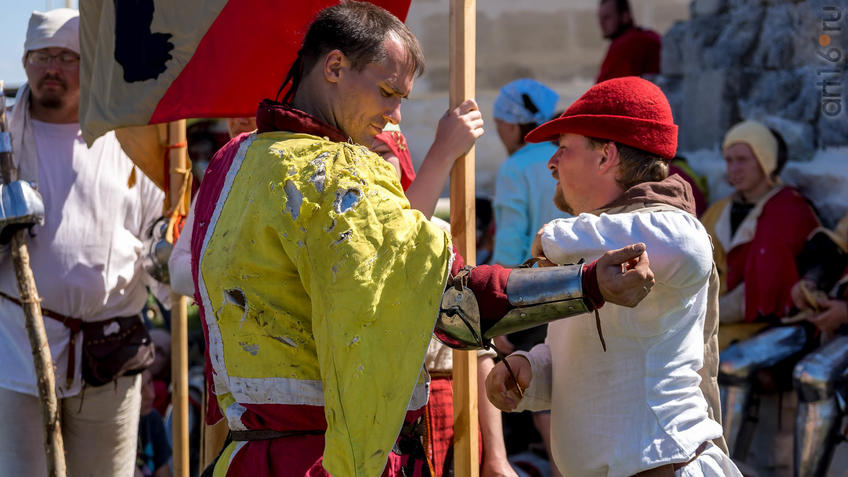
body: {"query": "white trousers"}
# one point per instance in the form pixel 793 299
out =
pixel 99 428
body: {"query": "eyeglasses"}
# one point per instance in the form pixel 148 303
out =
pixel 63 60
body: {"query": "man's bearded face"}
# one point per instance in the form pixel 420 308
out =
pixel 559 198
pixel 53 76
pixel 575 167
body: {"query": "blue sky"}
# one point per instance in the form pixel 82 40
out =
pixel 13 24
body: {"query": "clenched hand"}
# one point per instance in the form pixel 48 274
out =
pixel 500 386
pixel 457 131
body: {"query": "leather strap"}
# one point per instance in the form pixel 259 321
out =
pixel 700 450
pixel 73 324
pixel 266 434
pixel 670 469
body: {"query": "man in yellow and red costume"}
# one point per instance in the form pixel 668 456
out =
pixel 319 287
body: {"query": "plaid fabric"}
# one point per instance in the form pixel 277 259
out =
pixel 440 420
pixel 440 424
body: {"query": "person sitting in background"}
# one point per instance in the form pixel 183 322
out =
pixel 758 232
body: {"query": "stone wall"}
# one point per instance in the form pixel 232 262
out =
pixel 782 62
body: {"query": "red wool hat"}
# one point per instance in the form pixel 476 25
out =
pixel 630 110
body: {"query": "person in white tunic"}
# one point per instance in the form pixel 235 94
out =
pixel 624 387
pixel 87 262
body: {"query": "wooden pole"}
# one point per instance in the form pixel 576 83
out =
pixel 463 227
pixel 179 315
pixel 31 304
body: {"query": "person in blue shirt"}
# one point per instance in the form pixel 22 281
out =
pixel 524 185
pixel 523 203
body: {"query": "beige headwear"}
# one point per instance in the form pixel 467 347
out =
pixel 55 28
pixel 761 141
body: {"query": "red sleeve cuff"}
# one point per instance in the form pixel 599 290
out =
pixel 458 262
pixel 591 292
pixel 488 282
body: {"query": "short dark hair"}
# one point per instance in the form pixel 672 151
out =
pixel 635 165
pixel 358 29
pixel 621 6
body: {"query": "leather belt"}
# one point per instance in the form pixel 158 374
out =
pixel 266 434
pixel 73 324
pixel 670 469
pixel 440 374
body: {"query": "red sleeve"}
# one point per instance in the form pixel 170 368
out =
pixel 635 53
pixel 397 143
pixel 488 282
pixel 652 48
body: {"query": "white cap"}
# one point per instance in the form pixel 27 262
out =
pixel 525 101
pixel 761 141
pixel 56 28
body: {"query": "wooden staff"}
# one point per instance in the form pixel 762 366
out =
pixel 178 197
pixel 31 304
pixel 463 227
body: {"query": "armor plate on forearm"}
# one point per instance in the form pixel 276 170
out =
pixel 539 295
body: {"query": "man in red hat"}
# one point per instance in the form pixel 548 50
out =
pixel 631 390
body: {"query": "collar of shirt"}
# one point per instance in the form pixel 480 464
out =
pixel 274 116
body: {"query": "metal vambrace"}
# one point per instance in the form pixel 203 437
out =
pixel 538 295
pixel 20 205
pixel 737 367
pixel 820 381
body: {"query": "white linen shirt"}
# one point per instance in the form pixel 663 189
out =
pixel 637 405
pixel 86 258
